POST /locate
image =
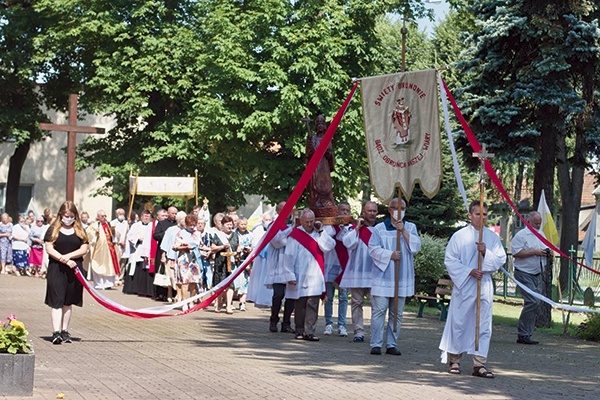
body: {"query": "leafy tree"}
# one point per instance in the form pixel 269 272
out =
pixel 20 102
pixel 218 86
pixel 534 71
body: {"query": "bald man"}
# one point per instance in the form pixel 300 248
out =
pixel 529 259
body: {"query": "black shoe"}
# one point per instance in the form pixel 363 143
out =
pixel 287 329
pixel 311 338
pixel 376 350
pixel 66 336
pixel 56 338
pixel 526 340
pixel 273 326
pixel 393 351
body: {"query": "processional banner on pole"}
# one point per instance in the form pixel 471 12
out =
pixel 162 186
pixel 401 117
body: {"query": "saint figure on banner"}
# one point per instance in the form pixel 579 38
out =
pixel 320 187
pixel 401 122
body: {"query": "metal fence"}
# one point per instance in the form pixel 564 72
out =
pixel 588 280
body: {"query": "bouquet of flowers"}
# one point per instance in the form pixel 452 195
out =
pixel 13 336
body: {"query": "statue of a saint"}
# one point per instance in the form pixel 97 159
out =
pixel 319 187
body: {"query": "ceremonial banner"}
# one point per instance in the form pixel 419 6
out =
pixel 548 225
pixel 401 119
pixel 161 185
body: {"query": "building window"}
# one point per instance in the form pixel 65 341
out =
pixel 25 196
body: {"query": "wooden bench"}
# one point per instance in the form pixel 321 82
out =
pixel 441 300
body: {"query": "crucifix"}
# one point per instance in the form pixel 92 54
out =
pixel 307 121
pixel 72 129
pixel 483 155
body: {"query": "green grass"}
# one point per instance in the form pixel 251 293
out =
pixel 508 315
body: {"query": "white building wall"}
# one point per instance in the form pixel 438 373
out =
pixel 46 169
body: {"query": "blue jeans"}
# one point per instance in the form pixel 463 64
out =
pixel 379 306
pixel 342 304
pixel 207 274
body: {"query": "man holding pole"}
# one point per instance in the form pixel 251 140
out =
pixel 461 260
pixel 385 253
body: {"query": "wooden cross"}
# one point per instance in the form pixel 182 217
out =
pixel 72 129
pixel 482 155
pixel 307 121
pixel 228 255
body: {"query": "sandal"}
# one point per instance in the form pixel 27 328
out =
pixel 299 336
pixel 454 368
pixel 482 372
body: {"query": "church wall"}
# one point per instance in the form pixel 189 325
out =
pixel 46 170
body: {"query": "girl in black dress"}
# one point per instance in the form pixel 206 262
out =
pixel 66 243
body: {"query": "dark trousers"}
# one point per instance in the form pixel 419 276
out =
pixel 288 309
pixel 307 312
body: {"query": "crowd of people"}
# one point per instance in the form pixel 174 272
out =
pixel 305 262
pixel 22 243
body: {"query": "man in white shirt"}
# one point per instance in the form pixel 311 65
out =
pixel 529 259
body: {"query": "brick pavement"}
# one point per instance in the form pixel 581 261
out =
pixel 216 356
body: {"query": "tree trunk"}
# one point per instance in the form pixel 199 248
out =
pixel 543 172
pixel 14 179
pixel 571 186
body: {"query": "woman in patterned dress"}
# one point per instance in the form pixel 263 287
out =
pixel 187 266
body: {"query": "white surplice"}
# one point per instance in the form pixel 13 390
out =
pixel 359 271
pixel 381 247
pixel 303 266
pixel 460 259
pixel 276 271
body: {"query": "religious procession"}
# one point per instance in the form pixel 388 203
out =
pixel 304 108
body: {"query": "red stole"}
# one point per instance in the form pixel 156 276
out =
pixel 111 247
pixel 342 254
pixel 153 248
pixel 365 234
pixel 310 244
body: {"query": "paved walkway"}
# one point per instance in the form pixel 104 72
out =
pixel 217 356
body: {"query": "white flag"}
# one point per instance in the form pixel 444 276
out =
pixel 401 117
pixel 589 240
pixel 548 225
pixel 256 217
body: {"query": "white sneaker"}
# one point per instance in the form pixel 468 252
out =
pixel 342 331
pixel 242 306
pixel 328 330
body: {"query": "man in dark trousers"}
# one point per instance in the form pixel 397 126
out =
pixel 160 293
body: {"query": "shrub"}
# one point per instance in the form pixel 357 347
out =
pixel 590 328
pixel 13 336
pixel 429 264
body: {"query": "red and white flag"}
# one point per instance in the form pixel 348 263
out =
pixel 401 117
